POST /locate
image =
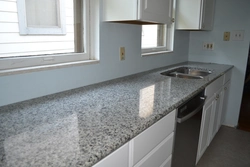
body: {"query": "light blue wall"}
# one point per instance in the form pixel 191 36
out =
pixel 229 15
pixel 15 88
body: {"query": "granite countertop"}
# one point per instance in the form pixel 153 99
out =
pixel 82 126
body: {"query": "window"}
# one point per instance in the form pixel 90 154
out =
pixel 156 38
pixel 153 36
pixel 159 38
pixel 48 33
pixel 41 17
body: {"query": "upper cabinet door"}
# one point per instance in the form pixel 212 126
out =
pixel 195 14
pixel 159 11
pixel 208 15
pixel 138 11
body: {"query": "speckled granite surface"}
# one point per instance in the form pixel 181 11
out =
pixel 82 126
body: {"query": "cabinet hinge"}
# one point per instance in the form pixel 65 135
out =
pixel 172 20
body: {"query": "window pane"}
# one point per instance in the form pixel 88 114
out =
pixel 153 36
pixel 42 13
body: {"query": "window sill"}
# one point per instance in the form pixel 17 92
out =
pixel 45 67
pixel 155 53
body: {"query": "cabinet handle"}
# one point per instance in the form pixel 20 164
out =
pixel 217 97
pixel 146 4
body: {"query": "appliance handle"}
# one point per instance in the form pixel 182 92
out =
pixel 195 111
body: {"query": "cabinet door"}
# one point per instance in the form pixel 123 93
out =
pixel 225 102
pixel 207 14
pixel 118 158
pixel 205 128
pixel 221 99
pixel 188 14
pixel 116 10
pixel 142 144
pixel 159 11
pixel 216 113
pixel 158 156
pixel 168 162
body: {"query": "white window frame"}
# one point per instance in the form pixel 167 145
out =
pixel 169 37
pixel 25 30
pixel 13 65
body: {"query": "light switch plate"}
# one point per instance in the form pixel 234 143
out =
pixel 237 35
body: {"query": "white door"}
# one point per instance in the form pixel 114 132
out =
pixel 159 11
pixel 225 102
pixel 221 99
pixel 204 132
pixel 207 14
pixel 217 113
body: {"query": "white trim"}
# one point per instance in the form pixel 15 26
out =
pixel 86 25
pixel 46 67
pixel 131 153
pixel 30 61
pixel 25 30
pixel 154 49
pixel 94 31
pixel 155 53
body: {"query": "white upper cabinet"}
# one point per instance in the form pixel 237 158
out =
pixel 195 14
pixel 138 11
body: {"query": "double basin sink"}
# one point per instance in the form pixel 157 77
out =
pixel 187 73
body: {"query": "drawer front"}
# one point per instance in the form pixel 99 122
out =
pixel 168 162
pixel 214 87
pixel 118 158
pixel 227 76
pixel 158 156
pixel 151 137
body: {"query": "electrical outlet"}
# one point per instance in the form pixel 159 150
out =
pixel 122 53
pixel 204 46
pixel 208 46
pixel 237 35
pixel 226 36
pixel 211 46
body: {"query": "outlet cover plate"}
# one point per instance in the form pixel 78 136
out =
pixel 226 36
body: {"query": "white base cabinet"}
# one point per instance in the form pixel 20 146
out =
pixel 214 111
pixel 159 154
pixel 205 125
pixel 152 148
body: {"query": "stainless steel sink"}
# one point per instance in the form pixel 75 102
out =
pixel 178 75
pixel 192 71
pixel 187 73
